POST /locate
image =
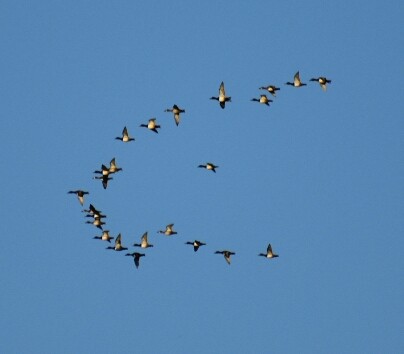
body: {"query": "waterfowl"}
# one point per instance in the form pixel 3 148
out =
pixel 104 237
pixel 125 136
pixel 96 215
pixel 269 253
pixel 168 231
pixel 96 222
pixel 104 170
pixel 80 195
pixel 105 179
pixel 323 81
pixel 113 168
pixel 143 242
pixel 176 111
pixel 263 99
pixel 271 89
pixel 151 125
pixel 296 81
pixel 222 96
pixel 196 244
pixel 136 257
pixel 209 166
pixel 91 210
pixel 118 244
pixel 226 254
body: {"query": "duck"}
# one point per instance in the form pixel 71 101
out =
pixel 323 81
pixel 271 89
pixel 136 257
pixel 296 81
pixel 80 195
pixel 196 244
pixel 113 168
pixel 226 254
pixel 168 231
pixel 176 111
pixel 91 210
pixel 263 99
pixel 143 242
pixel 104 237
pixel 209 166
pixel 270 253
pixel 118 244
pixel 97 222
pixel 105 179
pixel 151 125
pixel 126 138
pixel 104 170
pixel 97 215
pixel 222 96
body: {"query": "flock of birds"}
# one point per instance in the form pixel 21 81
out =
pixel 104 174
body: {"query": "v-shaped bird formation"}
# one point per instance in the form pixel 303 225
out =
pixel 96 217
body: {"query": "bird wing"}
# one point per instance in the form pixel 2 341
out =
pixel 296 79
pixel 222 92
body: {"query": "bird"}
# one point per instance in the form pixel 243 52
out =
pixel 209 166
pixel 168 231
pixel 80 195
pixel 143 242
pixel 113 168
pixel 105 179
pixel 104 237
pixel 97 222
pixel 296 81
pixel 176 111
pixel 271 89
pixel 226 254
pixel 151 125
pixel 323 81
pixel 269 253
pixel 196 244
pixel 263 99
pixel 104 170
pixel 118 244
pixel 126 138
pixel 91 210
pixel 136 257
pixel 222 96
pixel 96 215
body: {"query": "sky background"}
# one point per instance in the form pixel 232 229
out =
pixel 317 174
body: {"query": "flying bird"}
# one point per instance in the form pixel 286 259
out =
pixel 222 96
pixel 136 257
pixel 226 254
pixel 80 195
pixel 143 242
pixel 296 81
pixel 151 125
pixel 104 237
pixel 168 231
pixel 125 136
pixel 113 168
pixel 176 111
pixel 196 244
pixel 209 166
pixel 271 89
pixel 97 222
pixel 118 244
pixel 323 81
pixel 105 179
pixel 263 99
pixel 270 253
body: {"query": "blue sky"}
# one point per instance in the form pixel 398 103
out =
pixel 317 174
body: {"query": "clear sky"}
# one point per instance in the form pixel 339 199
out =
pixel 319 175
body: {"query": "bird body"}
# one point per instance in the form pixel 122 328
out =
pixel 118 244
pixel 226 254
pixel 80 195
pixel 176 111
pixel 270 253
pixel 222 98
pixel 143 242
pixel 113 168
pixel 196 244
pixel 209 166
pixel 323 81
pixel 271 89
pixel 97 222
pixel 136 257
pixel 151 125
pixel 104 237
pixel 263 99
pixel 168 231
pixel 125 136
pixel 296 81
